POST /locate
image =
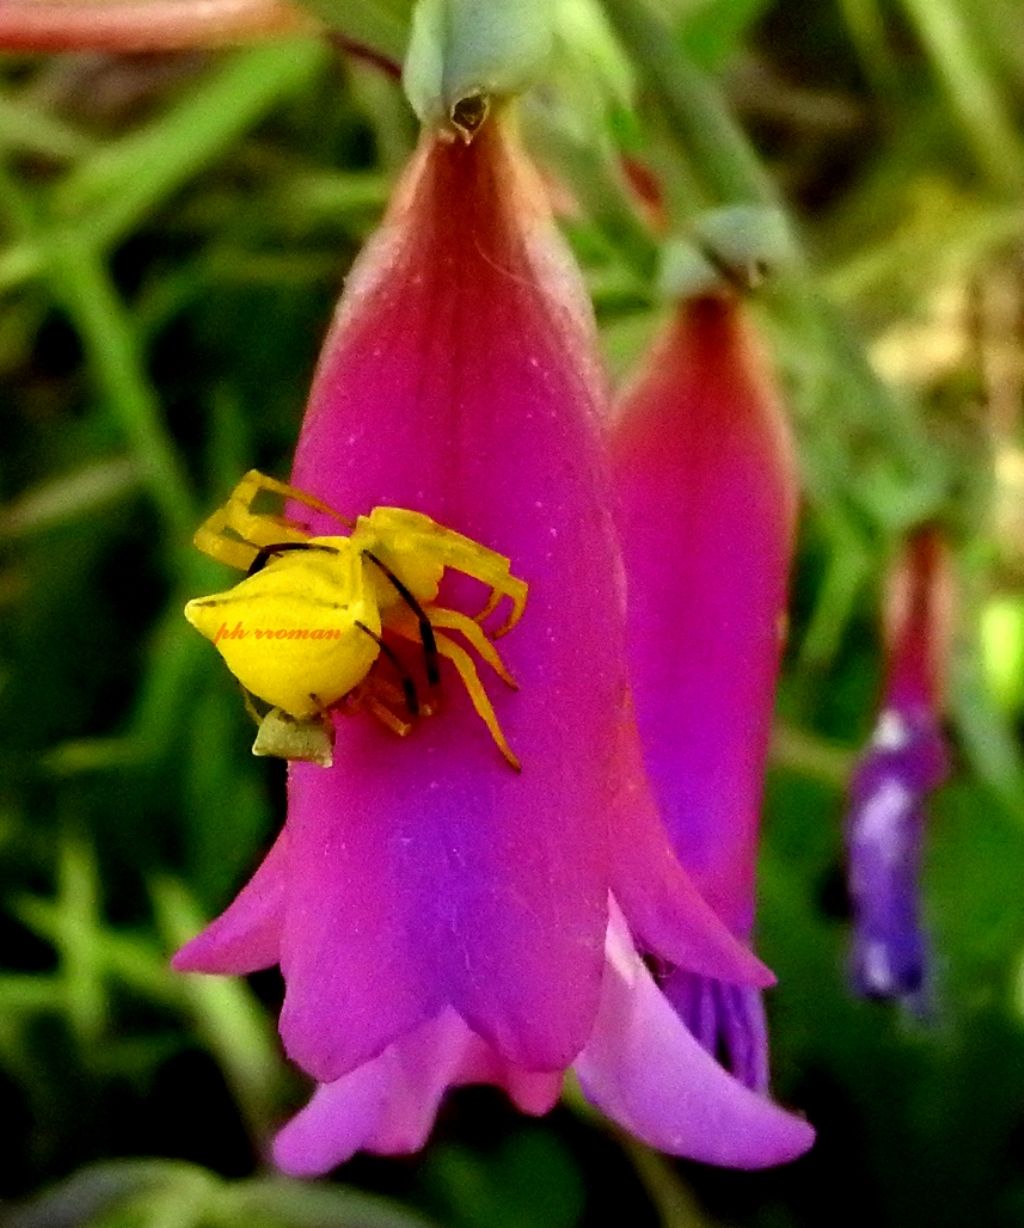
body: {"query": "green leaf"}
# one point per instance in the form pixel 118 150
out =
pixel 380 25
pixel 712 33
pixel 303 1204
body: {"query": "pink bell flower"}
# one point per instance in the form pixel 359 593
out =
pixel 144 25
pixel 438 917
pixel 707 489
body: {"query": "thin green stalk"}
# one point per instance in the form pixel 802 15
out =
pixel 675 1205
pixel 867 29
pixel 986 121
pixel 101 319
pixel 693 106
pixel 229 1019
pixel 113 191
pixel 106 196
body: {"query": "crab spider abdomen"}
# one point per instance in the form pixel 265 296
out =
pixel 295 634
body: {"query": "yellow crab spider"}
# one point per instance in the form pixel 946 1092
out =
pixel 304 629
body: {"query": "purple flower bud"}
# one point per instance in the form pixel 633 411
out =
pixel 905 760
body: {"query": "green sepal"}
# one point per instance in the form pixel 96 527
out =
pixel 735 248
pixel 464 54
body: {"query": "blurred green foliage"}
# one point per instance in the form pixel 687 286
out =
pixel 173 231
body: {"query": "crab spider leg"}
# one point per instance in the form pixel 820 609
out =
pixel 459 552
pixel 454 620
pixel 254 482
pixel 265 553
pixel 386 717
pixel 252 529
pixel 249 702
pixel 375 694
pixel 412 699
pixel 426 630
pixel 380 689
pixel 493 601
pixel 463 662
pixel 252 532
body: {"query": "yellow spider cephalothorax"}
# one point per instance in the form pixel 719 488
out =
pixel 304 631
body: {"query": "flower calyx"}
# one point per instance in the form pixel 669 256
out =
pixel 732 250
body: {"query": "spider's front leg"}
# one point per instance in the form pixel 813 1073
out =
pixel 490 568
pixel 234 533
pixel 450 549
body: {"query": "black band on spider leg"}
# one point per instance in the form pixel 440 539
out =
pixel 412 699
pixel 430 653
pixel 266 553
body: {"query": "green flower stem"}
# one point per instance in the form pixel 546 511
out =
pixel 675 1205
pixel 722 158
pixel 381 25
pixel 693 107
pixel 987 124
pixel 228 1017
pixel 605 198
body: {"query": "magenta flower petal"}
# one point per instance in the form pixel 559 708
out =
pixel 644 1069
pixel 706 482
pixel 707 493
pixel 641 1066
pixel 246 936
pixel 667 913
pixel 443 919
pixel 339 1120
pixel 351 924
pixel 459 380
pixel 388 1106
